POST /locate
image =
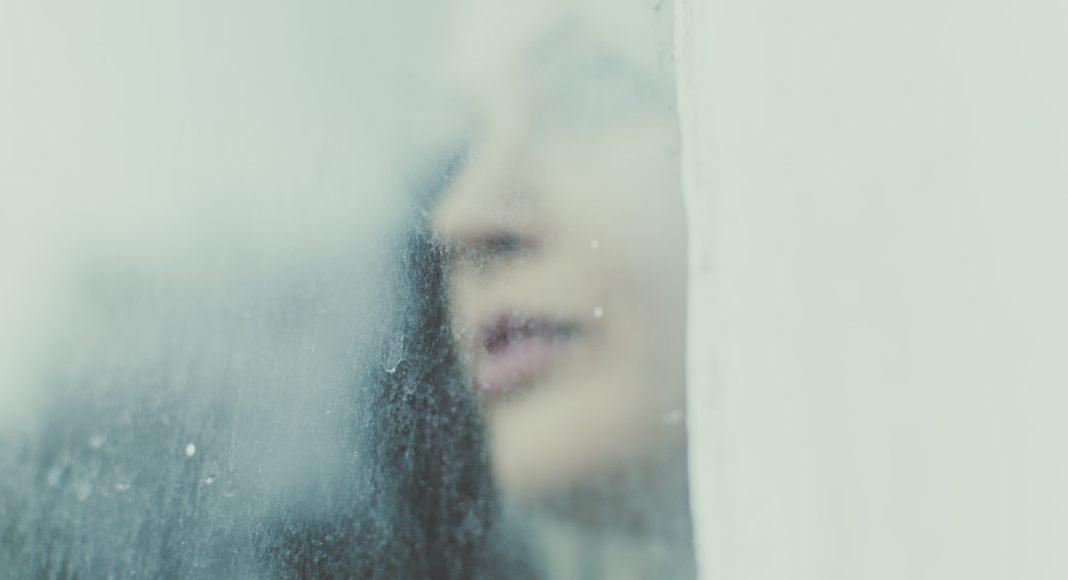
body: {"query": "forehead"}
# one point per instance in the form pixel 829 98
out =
pixel 494 40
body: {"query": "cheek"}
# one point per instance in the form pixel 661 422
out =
pixel 645 333
pixel 624 189
pixel 632 206
pixel 640 267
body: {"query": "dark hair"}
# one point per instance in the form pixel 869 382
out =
pixel 397 486
pixel 444 515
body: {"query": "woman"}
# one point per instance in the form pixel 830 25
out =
pixel 562 217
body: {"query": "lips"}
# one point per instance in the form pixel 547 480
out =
pixel 514 349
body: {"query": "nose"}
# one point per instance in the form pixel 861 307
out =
pixel 492 200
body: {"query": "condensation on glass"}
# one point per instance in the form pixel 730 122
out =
pixel 344 290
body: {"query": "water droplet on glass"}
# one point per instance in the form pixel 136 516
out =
pixel 598 312
pixel 673 417
pixel 96 441
pixel 82 490
pixel 53 476
pixel 190 450
pixel 396 353
pixel 121 487
pixel 595 244
pixel 208 480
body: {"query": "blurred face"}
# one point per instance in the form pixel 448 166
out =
pixel 567 236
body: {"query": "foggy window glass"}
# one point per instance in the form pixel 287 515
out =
pixel 342 290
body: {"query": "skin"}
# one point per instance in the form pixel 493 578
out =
pixel 567 208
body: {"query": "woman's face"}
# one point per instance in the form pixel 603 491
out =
pixel 566 231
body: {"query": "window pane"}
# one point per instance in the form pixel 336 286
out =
pixel 343 290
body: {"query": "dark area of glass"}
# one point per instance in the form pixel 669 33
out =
pixel 179 466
